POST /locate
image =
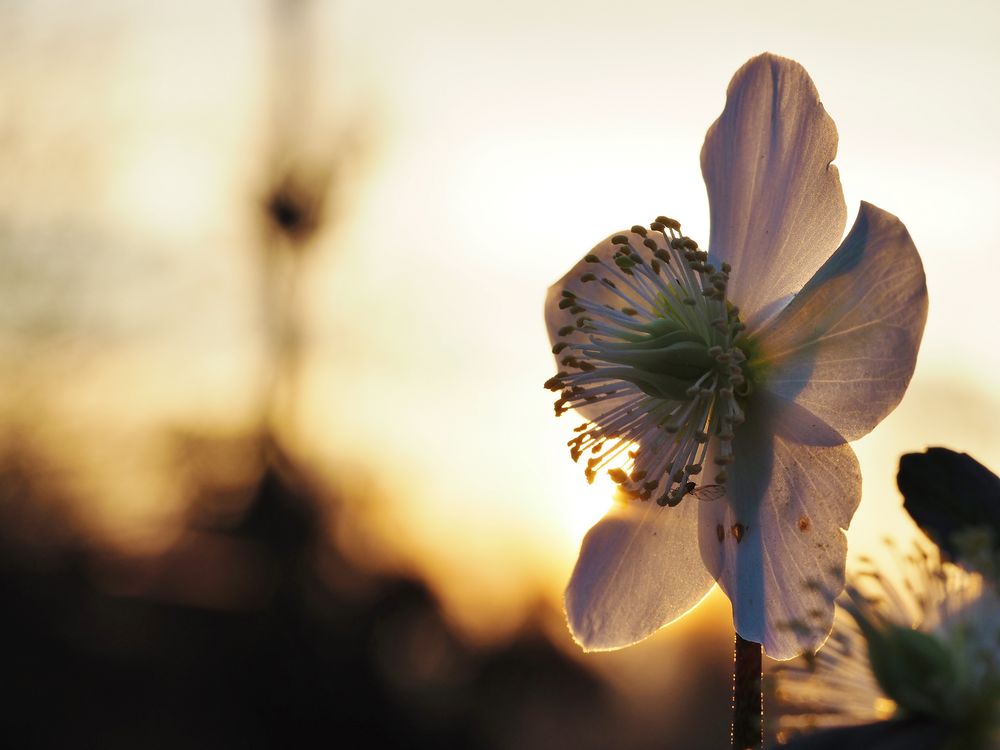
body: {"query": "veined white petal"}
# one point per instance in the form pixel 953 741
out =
pixel 776 544
pixel 777 209
pixel 639 569
pixel 845 347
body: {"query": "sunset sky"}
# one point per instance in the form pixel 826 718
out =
pixel 496 144
pixel 517 138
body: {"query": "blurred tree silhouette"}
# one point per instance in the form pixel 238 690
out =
pixel 112 653
pixel 243 625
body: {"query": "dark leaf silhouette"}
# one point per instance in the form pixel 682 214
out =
pixel 946 492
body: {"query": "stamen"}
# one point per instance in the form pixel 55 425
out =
pixel 662 363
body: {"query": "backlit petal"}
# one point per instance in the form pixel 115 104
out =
pixel 776 542
pixel 845 347
pixel 777 209
pixel 639 569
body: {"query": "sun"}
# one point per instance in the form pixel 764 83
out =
pixel 589 502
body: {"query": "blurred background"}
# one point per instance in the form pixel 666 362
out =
pixel 275 457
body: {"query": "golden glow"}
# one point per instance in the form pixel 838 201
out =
pixel 591 502
pixel 507 142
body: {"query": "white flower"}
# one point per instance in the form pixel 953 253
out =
pixel 925 654
pixel 748 368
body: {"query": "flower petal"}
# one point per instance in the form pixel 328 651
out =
pixel 777 209
pixel 776 543
pixel 845 347
pixel 639 569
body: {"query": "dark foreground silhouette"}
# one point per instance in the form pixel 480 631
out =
pixel 234 640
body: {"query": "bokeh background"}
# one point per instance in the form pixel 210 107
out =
pixel 275 458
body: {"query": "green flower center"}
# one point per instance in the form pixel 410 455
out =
pixel 660 347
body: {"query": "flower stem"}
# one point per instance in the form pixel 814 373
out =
pixel 748 701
